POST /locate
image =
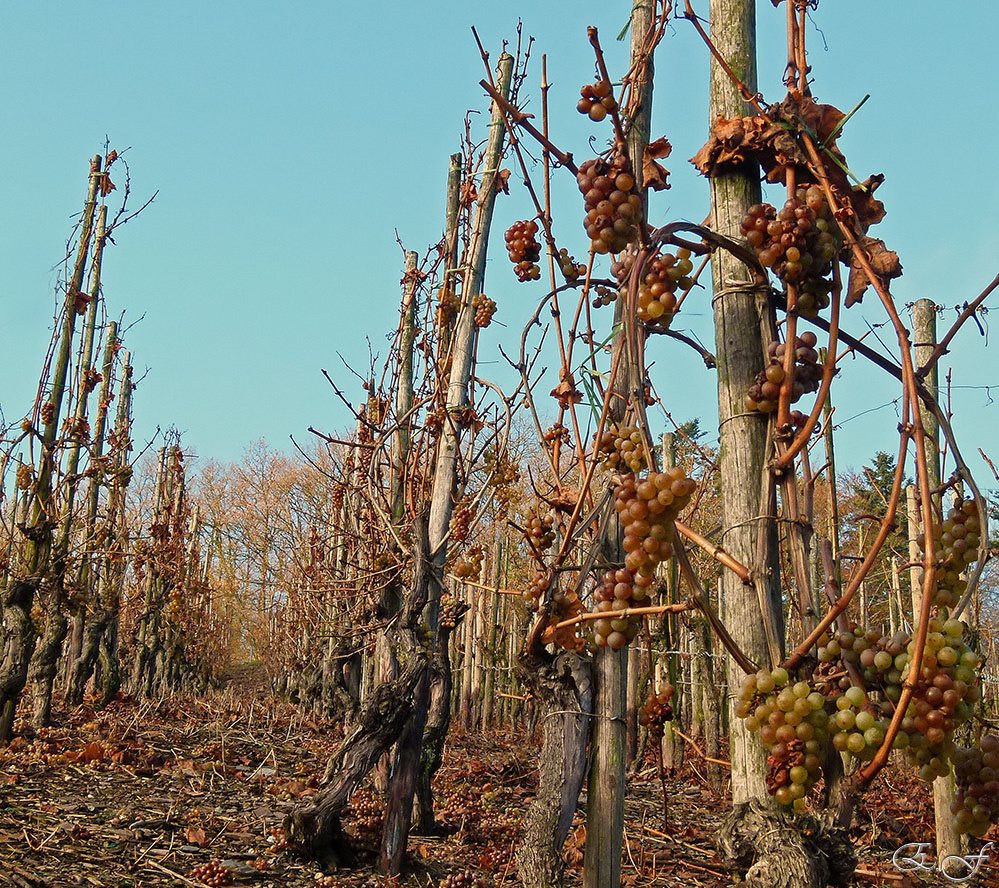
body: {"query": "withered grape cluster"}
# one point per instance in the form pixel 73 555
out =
pixel 647 508
pixel 485 308
pixel 536 588
pixel 212 873
pixel 622 444
pixel 664 274
pixel 613 206
pixel 596 100
pixel 571 269
pixel 448 304
pixel 799 243
pixel 470 565
pixel 763 394
pixel 524 250
pixel 656 710
pixel 604 296
pixel 540 530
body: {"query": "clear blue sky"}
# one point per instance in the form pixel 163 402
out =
pixel 289 142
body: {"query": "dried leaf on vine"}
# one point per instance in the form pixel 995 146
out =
pixel 107 186
pixel 469 193
pixel 732 142
pixel 822 120
pixel 868 208
pixel 654 174
pixel 503 181
pixel 566 393
pixel 883 262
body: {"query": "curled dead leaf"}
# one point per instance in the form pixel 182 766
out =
pixel 654 174
pixel 566 393
pixel 196 836
pixel 884 263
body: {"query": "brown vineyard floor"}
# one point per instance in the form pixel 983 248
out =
pixel 142 793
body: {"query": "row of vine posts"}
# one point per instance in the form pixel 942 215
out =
pixel 88 593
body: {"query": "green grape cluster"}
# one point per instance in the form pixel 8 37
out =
pixel 793 724
pixel 958 539
pixel 943 694
pixel 976 770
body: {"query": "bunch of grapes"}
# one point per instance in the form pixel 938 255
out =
pixel 367 814
pixel 613 206
pixel 604 296
pixel 470 565
pixel 485 308
pixel 448 304
pixel 663 275
pixel 942 695
pixel 656 710
pixel 211 873
pixel 565 607
pixel 647 509
pixel 461 523
pixel 596 100
pixel 622 444
pixel 977 772
pixel 571 269
pixel 800 243
pixel 855 726
pixel 503 475
pixel 449 613
pixel 957 541
pixel 24 476
pixel 557 432
pixel 763 395
pixel 536 588
pixel 524 249
pixel 540 531
pixel 792 723
pixel 465 879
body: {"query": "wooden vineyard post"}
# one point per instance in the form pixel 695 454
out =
pixel 607 784
pixel 924 330
pixel 740 312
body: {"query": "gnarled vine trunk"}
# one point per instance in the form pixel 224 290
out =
pixel 562 688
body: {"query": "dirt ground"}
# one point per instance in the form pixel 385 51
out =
pixel 145 793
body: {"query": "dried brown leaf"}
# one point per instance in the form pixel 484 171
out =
pixel 884 263
pixel 503 181
pixel 654 174
pixel 566 393
pixel 196 836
